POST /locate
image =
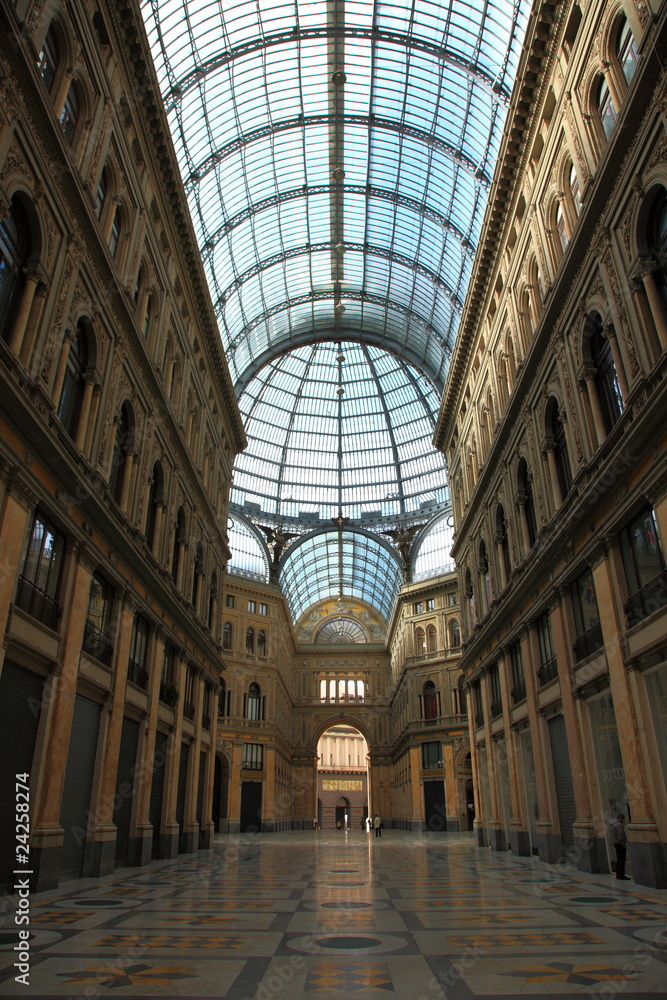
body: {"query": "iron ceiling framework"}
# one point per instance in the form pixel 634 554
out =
pixel 337 157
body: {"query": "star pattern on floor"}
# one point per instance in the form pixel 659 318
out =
pixel 327 977
pixel 114 977
pixel 566 972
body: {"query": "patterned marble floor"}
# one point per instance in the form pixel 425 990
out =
pixel 325 915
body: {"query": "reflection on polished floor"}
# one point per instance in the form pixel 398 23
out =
pixel 326 914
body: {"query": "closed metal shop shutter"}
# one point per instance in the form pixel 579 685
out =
pixel 78 785
pixel 157 789
pixel 182 786
pixel 567 811
pixel 20 700
pixel 122 816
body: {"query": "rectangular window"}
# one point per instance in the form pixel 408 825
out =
pixel 40 580
pixel 548 668
pixel 418 608
pixel 477 696
pixel 263 609
pixel 430 604
pixel 586 616
pixel 252 607
pixel 136 671
pixel 96 633
pixel 518 679
pixel 206 707
pixel 253 756
pixel 644 567
pixel 229 600
pixel 431 755
pixel 453 599
pixel 189 697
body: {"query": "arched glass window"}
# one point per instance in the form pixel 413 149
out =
pixel 101 193
pixel 139 282
pixel 430 701
pixel 526 488
pixel 254 702
pixel 469 594
pixel 147 315
pixel 431 639
pixel 606 380
pixel 502 540
pixel 454 634
pixel 70 113
pixel 250 640
pixel 560 451
pixel 560 226
pixel 261 643
pixel 154 498
pixel 212 598
pixel 606 109
pixel 420 642
pixel 626 51
pixel 47 64
pixel 575 192
pixel 74 384
pixel 657 239
pixel 123 442
pixel 14 249
pixel 485 573
pixel 197 572
pixel 179 538
pixel 114 233
pixel 227 635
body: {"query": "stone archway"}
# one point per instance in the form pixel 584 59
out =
pixel 342 774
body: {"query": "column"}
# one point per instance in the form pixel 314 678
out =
pixel 131 456
pixel 643 837
pixel 590 424
pixel 169 838
pixel 548 845
pixel 47 834
pixel 82 427
pixel 92 422
pixel 451 799
pixel 160 512
pixel 496 833
pixel 500 559
pixel 191 823
pixel 553 474
pixel 69 338
pixel 104 831
pixel 25 305
pixel 610 333
pixel 19 504
pixel 144 779
pixel 656 305
pixel 519 837
pixel 591 854
pixel 480 819
pixel 234 799
pixel 588 375
pixel 269 791
pixel 416 817
pixel 523 519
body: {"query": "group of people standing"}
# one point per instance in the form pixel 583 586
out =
pixel 367 824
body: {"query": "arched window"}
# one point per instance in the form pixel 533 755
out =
pixel 71 396
pixel 114 232
pixel 179 540
pixel 560 227
pixel 606 380
pixel 525 499
pixel 254 703
pixel 69 116
pixel 454 634
pixel 502 541
pixel 155 496
pixel 469 594
pixel 197 572
pixel 49 57
pixel 137 287
pixel 261 643
pixel 575 191
pixel 250 640
pixel 430 699
pixel 15 247
pixel 605 105
pixel 626 50
pixel 431 639
pixel 420 642
pixel 101 193
pixel 560 451
pixel 123 443
pixel 212 598
pixel 657 239
pixel 485 574
pixel 147 315
pixel 227 635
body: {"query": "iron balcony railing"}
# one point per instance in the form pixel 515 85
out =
pixel 518 692
pixel 137 674
pixel 647 600
pixel 97 643
pixel 37 603
pixel 548 671
pixel 588 643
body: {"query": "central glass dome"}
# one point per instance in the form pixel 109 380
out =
pixel 339 428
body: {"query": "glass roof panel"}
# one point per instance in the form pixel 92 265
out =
pixel 345 563
pixel 433 556
pixel 248 556
pixel 333 149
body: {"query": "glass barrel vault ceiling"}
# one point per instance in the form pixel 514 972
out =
pixel 339 429
pixel 336 157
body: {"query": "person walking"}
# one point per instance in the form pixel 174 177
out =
pixel 377 825
pixel 619 839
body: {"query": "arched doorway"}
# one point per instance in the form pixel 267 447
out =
pixel 220 793
pixel 342 778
